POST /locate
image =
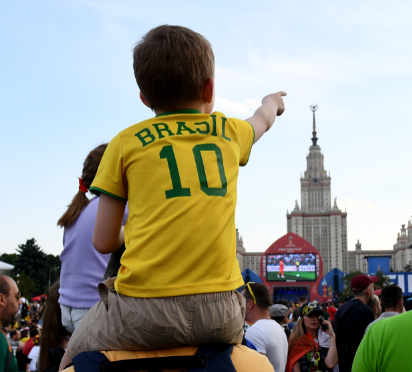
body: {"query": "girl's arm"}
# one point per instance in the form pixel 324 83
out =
pixel 331 359
pixel 108 234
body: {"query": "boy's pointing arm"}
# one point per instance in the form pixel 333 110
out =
pixel 265 115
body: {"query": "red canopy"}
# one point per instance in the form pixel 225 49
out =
pixel 38 298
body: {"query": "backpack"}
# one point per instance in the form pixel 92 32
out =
pixel 337 328
pixel 24 310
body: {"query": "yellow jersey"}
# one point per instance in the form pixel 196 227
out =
pixel 178 172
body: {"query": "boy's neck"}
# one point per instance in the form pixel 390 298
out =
pixel 198 106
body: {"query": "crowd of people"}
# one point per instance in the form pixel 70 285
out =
pixel 150 262
pixel 301 336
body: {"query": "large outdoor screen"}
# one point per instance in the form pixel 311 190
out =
pixel 291 267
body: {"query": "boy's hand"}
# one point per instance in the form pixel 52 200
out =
pixel 277 99
pixel 265 115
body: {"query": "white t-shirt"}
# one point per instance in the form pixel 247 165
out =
pixel 34 356
pixel 270 339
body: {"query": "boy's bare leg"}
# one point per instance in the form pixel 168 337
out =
pixel 65 361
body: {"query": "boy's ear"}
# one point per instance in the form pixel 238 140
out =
pixel 144 100
pixel 208 90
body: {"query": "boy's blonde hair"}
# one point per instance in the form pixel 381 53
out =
pixel 171 64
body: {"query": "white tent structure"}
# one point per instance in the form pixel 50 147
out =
pixel 5 268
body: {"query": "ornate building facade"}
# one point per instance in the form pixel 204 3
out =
pixel 324 225
pixel 400 255
pixel 247 260
pixel 317 221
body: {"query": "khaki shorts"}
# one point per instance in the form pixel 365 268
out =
pixel 119 322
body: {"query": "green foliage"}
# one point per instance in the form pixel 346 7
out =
pixel 382 282
pixel 32 262
pixel 383 279
pixel 26 285
pixel 9 258
pixel 346 279
pixel 407 268
pixel 54 264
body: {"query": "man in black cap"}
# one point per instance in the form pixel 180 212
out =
pixel 351 320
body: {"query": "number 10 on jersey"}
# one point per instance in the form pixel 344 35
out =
pixel 179 191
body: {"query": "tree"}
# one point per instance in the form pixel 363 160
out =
pixel 9 258
pixel 346 279
pixel 407 268
pixel 26 285
pixel 383 279
pixel 33 263
pixel 54 265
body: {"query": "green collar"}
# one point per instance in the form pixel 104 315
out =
pixel 184 111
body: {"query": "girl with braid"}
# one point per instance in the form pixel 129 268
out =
pixel 82 266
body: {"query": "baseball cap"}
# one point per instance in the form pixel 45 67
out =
pixel 278 310
pixel 361 282
pixel 309 308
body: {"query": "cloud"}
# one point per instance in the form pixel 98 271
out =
pixel 243 109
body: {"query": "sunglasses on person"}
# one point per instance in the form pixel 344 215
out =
pixel 251 292
pixel 17 297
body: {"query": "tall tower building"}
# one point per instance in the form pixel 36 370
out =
pixel 317 221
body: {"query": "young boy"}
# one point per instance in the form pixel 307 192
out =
pixel 178 172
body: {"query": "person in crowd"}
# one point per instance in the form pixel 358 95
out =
pixel 279 313
pixel 375 306
pixel 348 298
pixel 23 308
pixel 14 340
pixel 25 335
pixel 352 318
pixel 152 269
pixel 34 308
pixel 392 302
pixel 325 313
pixel 386 346
pixel 55 336
pixel 310 347
pixel 43 301
pixel 34 331
pixel 287 304
pixel 296 314
pixel 9 307
pixel 266 335
pixel 408 304
pixel 292 319
pixel 302 300
pixel 331 311
pixel 23 362
pixel 78 284
pixel 34 354
pixel 35 321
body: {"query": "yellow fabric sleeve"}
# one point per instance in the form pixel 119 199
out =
pixel 246 137
pixel 110 176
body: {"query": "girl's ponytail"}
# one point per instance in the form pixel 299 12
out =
pixel 80 200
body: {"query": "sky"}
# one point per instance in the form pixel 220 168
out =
pixel 67 85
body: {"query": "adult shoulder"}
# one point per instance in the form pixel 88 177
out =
pixel 385 345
